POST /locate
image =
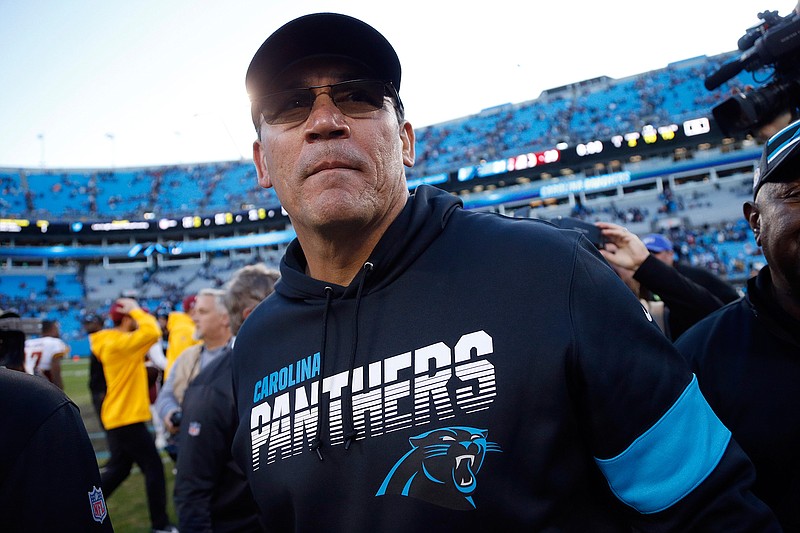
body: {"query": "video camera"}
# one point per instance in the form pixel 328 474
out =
pixel 775 43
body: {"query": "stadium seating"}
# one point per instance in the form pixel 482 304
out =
pixel 575 114
pixel 711 232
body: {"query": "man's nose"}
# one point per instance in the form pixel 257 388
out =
pixel 326 120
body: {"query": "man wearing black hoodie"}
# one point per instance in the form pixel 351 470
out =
pixel 381 389
pixel 746 355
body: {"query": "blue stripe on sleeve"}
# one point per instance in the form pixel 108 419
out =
pixel 671 458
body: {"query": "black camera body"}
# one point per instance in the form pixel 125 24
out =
pixel 176 418
pixel 774 44
pixel 589 230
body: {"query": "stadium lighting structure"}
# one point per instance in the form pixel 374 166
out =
pixel 111 137
pixel 41 149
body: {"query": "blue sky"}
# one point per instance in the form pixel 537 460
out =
pixel 91 83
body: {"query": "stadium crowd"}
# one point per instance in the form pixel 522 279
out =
pixel 594 109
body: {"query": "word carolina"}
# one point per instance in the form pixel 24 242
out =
pixel 288 376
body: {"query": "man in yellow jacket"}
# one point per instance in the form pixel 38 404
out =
pixel 126 408
pixel 180 328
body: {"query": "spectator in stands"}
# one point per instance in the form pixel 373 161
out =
pixel 92 323
pixel 180 332
pixel 746 355
pixel 211 492
pixel 380 354
pixel 685 302
pixel 213 328
pixel 43 354
pixel 126 408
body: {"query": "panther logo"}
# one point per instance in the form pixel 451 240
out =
pixel 441 467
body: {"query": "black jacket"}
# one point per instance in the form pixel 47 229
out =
pixel 211 493
pixel 747 360
pixel 705 278
pixel 481 373
pixel 49 479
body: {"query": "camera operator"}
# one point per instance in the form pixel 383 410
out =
pixel 763 111
pixel 647 267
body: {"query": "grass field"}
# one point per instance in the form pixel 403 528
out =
pixel 127 507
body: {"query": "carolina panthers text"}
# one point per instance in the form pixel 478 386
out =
pixel 442 381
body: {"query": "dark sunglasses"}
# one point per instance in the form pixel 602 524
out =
pixel 354 98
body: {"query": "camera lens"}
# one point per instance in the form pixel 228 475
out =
pixel 746 111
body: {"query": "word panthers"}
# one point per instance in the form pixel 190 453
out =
pixel 441 467
pixel 432 380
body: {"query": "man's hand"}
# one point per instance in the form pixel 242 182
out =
pixel 623 249
pixel 172 428
pixel 127 305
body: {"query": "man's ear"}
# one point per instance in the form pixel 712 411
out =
pixel 409 150
pixel 246 311
pixel 259 158
pixel 753 217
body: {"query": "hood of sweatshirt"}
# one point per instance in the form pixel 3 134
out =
pixel 422 220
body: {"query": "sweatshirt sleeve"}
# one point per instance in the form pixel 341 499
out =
pixel 662 450
pixel 166 401
pixel 146 334
pixel 676 290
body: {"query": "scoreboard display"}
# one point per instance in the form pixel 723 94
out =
pixel 624 145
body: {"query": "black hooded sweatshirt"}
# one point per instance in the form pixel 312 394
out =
pixel 747 360
pixel 480 373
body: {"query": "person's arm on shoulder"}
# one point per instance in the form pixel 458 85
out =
pixel 623 249
pixel 676 290
pixel 653 436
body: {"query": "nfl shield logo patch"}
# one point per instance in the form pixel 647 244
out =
pixel 98 505
pixel 194 429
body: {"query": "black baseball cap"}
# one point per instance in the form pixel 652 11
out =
pixel 10 321
pixel 321 34
pixel 779 160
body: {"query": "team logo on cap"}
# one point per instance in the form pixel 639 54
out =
pixel 98 505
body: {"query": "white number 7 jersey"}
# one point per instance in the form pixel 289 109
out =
pixel 40 352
